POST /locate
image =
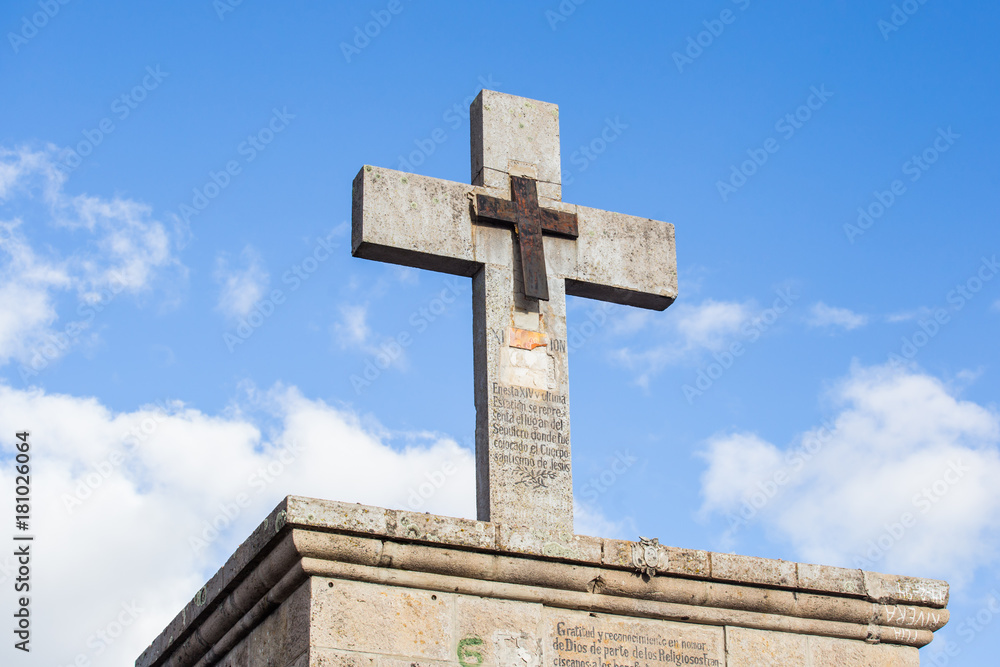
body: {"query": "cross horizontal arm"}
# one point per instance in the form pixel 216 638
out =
pixel 429 223
pixel 413 220
pixel 496 208
pixel 559 222
pixel 554 222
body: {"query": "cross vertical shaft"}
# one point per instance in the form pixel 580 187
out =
pixel 523 468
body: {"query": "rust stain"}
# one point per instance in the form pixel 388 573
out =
pixel 526 340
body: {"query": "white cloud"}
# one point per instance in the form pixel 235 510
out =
pixel 78 245
pixel 406 275
pixel 822 315
pixel 713 323
pixel 148 498
pixel 908 315
pixel 903 449
pixel 352 330
pixel 242 286
pixel 589 520
pixel 996 305
pixel 680 335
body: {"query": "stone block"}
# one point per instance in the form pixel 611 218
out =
pixel 368 618
pixel 575 635
pixel 645 276
pixel 438 529
pixel 831 652
pixel 324 657
pixel 617 553
pixel 747 647
pixel 890 589
pixel 351 517
pixel 688 562
pixel 511 133
pixel 280 640
pixel 748 569
pixel 831 579
pixel 498 632
pixel 553 544
pixel 412 220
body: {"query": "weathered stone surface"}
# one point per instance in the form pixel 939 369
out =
pixel 575 635
pixel 513 134
pixel 352 517
pixel 389 579
pixel 831 579
pixel 280 640
pixel 552 544
pixel 428 223
pixel 889 589
pixel 386 620
pixel 498 632
pixel 748 569
pixel 446 530
pixel 284 635
pixel 757 648
pixel 324 657
pixel 831 652
pixel 522 399
pixel 689 562
pixel 523 456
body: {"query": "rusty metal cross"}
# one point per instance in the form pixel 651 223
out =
pixel 530 222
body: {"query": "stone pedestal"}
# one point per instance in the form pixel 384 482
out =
pixel 330 584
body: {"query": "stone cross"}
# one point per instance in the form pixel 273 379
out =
pixel 525 250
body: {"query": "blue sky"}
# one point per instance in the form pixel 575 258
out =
pixel 173 176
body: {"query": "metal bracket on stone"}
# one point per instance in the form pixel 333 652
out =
pixel 648 557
